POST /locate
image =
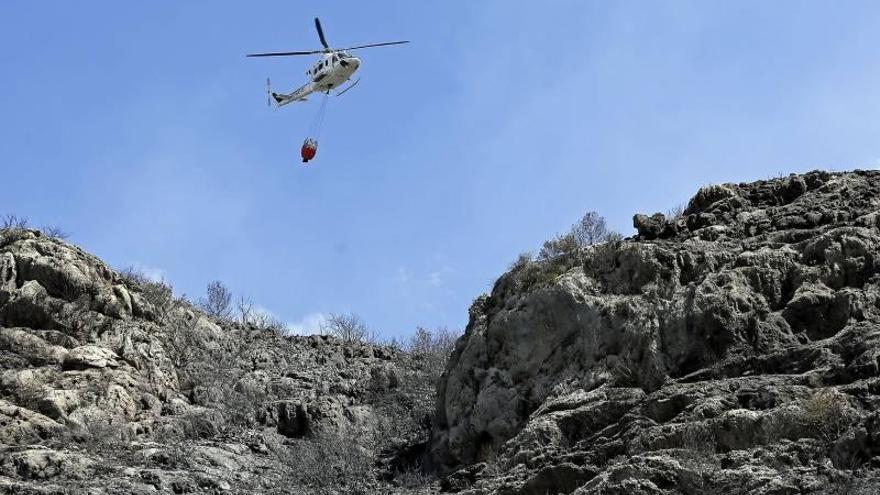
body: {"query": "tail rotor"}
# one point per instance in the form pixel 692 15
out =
pixel 268 93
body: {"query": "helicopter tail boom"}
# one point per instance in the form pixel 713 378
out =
pixel 300 94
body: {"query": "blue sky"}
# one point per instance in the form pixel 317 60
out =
pixel 142 130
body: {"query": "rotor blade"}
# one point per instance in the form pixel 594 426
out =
pixel 321 33
pixel 283 54
pixel 375 44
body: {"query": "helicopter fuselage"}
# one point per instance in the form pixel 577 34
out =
pixel 333 70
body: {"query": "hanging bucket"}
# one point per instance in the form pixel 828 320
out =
pixel 309 149
pixel 310 145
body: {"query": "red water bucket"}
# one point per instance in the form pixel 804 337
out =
pixel 309 149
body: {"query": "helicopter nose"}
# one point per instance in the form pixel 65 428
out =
pixel 355 62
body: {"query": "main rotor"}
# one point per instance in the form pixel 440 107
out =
pixel 326 48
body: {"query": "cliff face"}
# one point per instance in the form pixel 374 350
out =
pixel 733 349
pixel 109 384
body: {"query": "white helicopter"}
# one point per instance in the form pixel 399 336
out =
pixel 335 67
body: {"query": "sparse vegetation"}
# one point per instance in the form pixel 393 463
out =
pixel 99 432
pixel 54 232
pixel 327 464
pixel 12 228
pixel 828 413
pixel 699 447
pixel 589 230
pixel 13 222
pixel 210 371
pixel 158 293
pixel 351 328
pixel 675 212
pixel 218 302
pixel 27 393
pixel 250 315
pixel 432 349
pixel 562 253
pixel 521 261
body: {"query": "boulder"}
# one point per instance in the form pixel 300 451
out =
pixel 90 356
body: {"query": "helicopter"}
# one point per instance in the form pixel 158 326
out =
pixel 333 69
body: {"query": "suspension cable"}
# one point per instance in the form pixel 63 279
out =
pixel 318 122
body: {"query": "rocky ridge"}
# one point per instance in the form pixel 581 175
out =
pixel 734 348
pixel 110 384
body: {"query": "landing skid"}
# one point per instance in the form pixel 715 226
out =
pixel 349 87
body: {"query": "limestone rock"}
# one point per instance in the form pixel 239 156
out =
pixel 90 356
pixel 687 359
pixel 20 426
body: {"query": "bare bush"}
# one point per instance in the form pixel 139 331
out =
pixel 589 230
pixel 439 342
pixel 268 322
pixel 351 328
pixel 218 301
pixel 102 431
pixel 12 229
pixel 675 212
pixel 558 246
pixel 413 476
pixel 212 373
pixel 327 464
pixel 13 222
pixel 157 293
pixel 520 262
pixel 54 232
pixel 699 447
pixel 828 413
pixel 250 315
pixel 432 349
pixel 28 393
pixel 245 309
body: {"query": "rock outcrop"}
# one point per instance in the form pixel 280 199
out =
pixel 110 384
pixel 733 349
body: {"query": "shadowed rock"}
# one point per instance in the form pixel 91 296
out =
pixel 687 359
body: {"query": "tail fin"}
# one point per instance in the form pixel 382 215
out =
pixel 268 92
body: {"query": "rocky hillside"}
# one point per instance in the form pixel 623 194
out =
pixel 733 349
pixel 111 385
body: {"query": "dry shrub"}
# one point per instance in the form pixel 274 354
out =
pixel 211 372
pixel 218 301
pixel 561 245
pixel 158 293
pixel 250 315
pixel 13 222
pixel 12 228
pixel 413 477
pixel 698 452
pixel 675 212
pixel 28 394
pixel 591 229
pixel 54 232
pixel 102 431
pixel 431 349
pixel 827 412
pixel 350 328
pixel 521 261
pixel 327 464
